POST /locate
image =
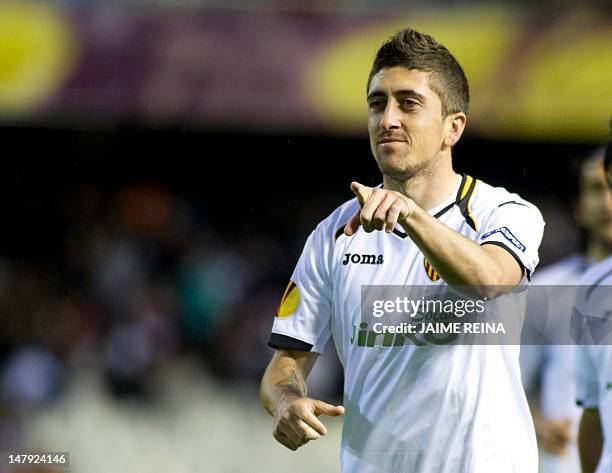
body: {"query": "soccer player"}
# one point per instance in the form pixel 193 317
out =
pixel 552 367
pixel 419 407
pixel 594 361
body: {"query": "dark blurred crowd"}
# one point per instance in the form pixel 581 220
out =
pixel 143 280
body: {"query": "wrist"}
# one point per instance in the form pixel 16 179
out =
pixel 409 219
pixel 286 397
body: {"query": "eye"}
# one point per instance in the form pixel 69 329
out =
pixel 376 104
pixel 408 103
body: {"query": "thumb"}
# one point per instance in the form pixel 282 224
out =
pixel 353 224
pixel 362 192
pixel 327 409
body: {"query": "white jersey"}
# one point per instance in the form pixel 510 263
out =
pixel 553 367
pixel 594 362
pixel 420 407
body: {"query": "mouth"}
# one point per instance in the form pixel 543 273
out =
pixel 385 141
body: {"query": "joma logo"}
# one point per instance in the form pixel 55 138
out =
pixel 362 259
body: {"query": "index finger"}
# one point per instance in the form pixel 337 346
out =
pixel 362 192
pixel 311 420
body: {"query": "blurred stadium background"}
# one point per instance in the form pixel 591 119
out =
pixel 162 165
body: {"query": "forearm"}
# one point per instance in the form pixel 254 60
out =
pixel 459 260
pixel 590 440
pixel 283 377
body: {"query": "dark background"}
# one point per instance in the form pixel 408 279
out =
pixel 238 182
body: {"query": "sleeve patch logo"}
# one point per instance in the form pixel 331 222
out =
pixel 508 235
pixel 290 301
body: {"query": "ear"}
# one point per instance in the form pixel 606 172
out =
pixel 455 124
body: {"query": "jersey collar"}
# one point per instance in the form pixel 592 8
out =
pixel 439 210
pixel 453 198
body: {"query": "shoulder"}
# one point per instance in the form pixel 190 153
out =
pixel 598 274
pixel 500 210
pixel 488 198
pixel 331 227
pixel 593 296
pixel 566 271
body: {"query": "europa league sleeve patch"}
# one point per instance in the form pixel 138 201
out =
pixel 290 301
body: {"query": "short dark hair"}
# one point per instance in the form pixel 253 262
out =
pixel 414 50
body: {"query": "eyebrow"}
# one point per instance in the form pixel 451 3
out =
pixel 401 93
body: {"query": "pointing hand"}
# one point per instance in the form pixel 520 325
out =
pixel 379 209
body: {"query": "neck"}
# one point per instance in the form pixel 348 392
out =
pixel 429 187
pixel 597 250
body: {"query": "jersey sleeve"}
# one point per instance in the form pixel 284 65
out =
pixel 587 392
pixel 303 318
pixel 518 228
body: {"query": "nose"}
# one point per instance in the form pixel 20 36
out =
pixel 390 119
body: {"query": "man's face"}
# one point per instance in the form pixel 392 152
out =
pixel 404 121
pixel 595 201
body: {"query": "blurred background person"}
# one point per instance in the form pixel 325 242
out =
pixel 594 358
pixel 549 369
